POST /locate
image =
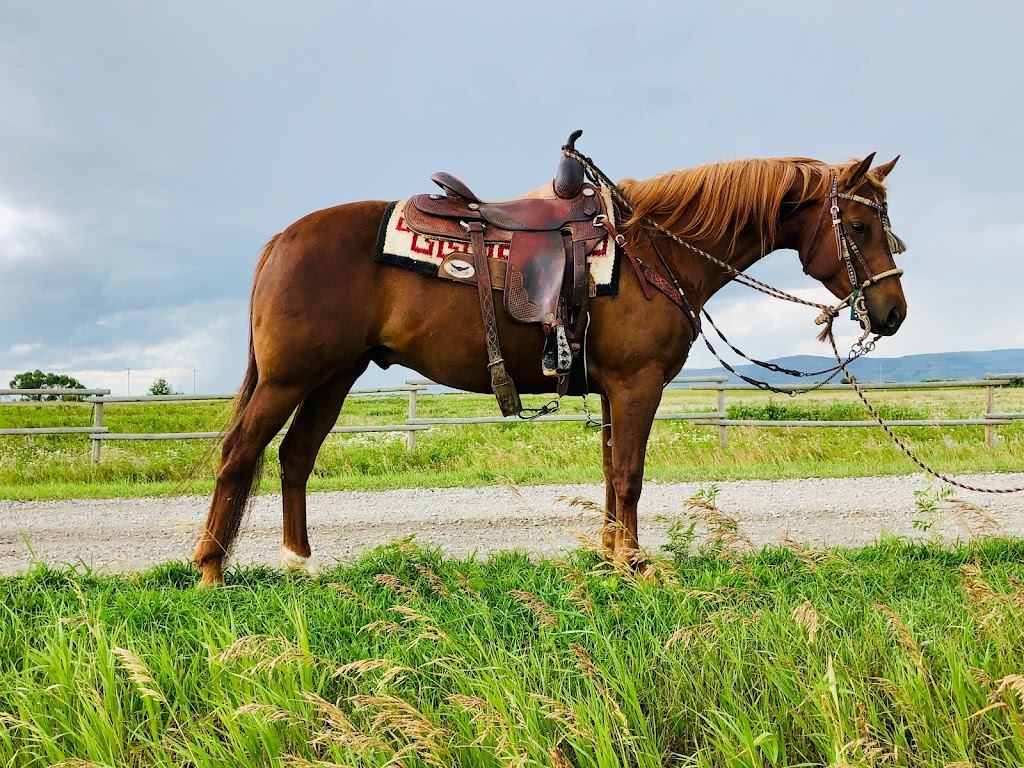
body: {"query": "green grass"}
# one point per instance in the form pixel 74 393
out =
pixel 58 467
pixel 906 654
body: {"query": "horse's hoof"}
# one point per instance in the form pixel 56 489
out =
pixel 632 558
pixel 297 564
pixel 210 581
pixel 212 575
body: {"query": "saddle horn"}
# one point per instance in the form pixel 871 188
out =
pixel 569 177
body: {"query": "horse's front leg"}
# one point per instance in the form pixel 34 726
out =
pixel 632 404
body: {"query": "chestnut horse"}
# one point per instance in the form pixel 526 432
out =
pixel 322 309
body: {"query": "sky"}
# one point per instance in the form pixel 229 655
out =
pixel 149 149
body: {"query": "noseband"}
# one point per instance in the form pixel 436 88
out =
pixel 848 250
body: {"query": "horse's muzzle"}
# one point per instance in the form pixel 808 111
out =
pixel 888 325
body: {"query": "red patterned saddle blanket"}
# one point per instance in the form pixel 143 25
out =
pixel 450 256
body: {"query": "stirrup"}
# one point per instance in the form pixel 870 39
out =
pixel 557 357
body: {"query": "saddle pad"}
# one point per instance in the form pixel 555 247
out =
pixel 401 247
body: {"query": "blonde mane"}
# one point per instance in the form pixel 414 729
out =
pixel 710 201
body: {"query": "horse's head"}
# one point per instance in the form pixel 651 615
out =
pixel 849 246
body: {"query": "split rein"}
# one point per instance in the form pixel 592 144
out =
pixel 856 301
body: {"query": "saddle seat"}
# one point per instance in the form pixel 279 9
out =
pixel 547 233
pixel 456 187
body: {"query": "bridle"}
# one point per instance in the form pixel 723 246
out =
pixel 848 251
pixel 845 247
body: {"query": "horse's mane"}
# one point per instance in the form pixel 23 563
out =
pixel 710 201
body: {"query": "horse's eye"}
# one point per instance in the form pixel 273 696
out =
pixel 857 226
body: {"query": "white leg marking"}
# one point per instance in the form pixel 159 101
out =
pixel 293 563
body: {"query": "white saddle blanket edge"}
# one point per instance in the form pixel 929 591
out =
pixel 402 243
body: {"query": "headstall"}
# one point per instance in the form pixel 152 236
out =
pixel 848 250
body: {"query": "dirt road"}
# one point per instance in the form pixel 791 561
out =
pixel 119 535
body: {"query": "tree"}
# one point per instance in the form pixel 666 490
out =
pixel 162 386
pixel 38 380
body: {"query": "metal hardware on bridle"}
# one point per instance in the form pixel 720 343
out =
pixel 845 247
pixel 856 300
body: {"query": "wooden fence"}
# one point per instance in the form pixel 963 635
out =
pixel 97 427
pixel 98 398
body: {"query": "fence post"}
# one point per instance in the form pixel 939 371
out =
pixel 723 435
pixel 990 407
pixel 410 436
pixel 97 421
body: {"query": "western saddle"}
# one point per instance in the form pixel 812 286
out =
pixel 548 234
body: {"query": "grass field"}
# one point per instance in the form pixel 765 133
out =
pixel 905 654
pixel 58 467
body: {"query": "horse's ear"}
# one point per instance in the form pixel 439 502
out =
pixel 857 171
pixel 884 169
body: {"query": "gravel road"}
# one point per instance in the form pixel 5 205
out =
pixel 120 535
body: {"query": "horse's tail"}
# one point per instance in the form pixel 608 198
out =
pixel 240 502
pixel 252 374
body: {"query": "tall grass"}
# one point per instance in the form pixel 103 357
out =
pixel 898 654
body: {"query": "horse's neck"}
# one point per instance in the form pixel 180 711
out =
pixel 702 278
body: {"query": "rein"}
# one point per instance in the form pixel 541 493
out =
pixel 857 302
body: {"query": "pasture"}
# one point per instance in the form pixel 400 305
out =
pixel 904 654
pixel 901 653
pixel 59 467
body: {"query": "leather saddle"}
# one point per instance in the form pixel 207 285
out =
pixel 547 236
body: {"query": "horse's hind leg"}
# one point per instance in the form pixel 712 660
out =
pixel 264 415
pixel 608 530
pixel 313 421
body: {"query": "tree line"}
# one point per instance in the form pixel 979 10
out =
pixel 37 379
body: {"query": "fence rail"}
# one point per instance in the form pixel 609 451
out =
pixel 99 398
pixel 55 391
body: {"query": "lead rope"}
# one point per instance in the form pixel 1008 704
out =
pixel 827 317
pixel 899 443
pixel 858 350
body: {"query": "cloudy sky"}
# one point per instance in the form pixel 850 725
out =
pixel 149 149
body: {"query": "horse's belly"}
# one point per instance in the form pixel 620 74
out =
pixel 435 328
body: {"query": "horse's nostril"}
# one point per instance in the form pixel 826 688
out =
pixel 894 319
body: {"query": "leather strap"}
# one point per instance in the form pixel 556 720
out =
pixel 579 287
pixel 664 286
pixel 501 384
pixel 620 239
pixel 645 274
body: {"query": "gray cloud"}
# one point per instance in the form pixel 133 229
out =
pixel 148 150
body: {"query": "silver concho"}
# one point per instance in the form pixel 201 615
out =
pixel 459 268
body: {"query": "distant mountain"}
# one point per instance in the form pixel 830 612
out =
pixel 936 365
